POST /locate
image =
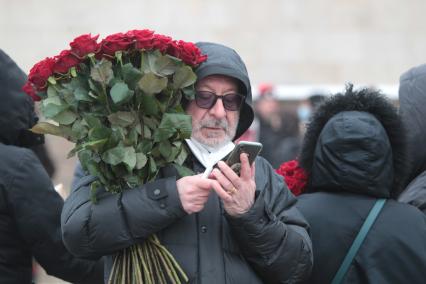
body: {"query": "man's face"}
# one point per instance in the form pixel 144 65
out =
pixel 216 126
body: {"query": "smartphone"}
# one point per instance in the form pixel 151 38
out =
pixel 252 149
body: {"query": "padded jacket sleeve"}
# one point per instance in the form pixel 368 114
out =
pixel 273 235
pixel 131 216
pixel 37 207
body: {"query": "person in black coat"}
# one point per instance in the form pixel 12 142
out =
pixel 222 229
pixel 354 153
pixel 30 207
pixel 412 102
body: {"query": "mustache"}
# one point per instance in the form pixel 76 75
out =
pixel 209 122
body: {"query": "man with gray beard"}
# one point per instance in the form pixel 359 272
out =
pixel 220 227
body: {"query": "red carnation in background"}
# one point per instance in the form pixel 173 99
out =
pixel 84 44
pixel 294 176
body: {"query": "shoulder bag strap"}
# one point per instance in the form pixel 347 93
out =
pixel 358 240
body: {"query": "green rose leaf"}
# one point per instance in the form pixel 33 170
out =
pixel 141 160
pixel 82 94
pixel 120 154
pixel 177 121
pixel 145 146
pixel 162 134
pixel 84 156
pixel 152 84
pixel 99 133
pixel 181 157
pixel 131 75
pixel 52 106
pixel 69 98
pixel 102 72
pixel 183 77
pixel 122 118
pixel 65 117
pixel 164 66
pixel 149 105
pixel 51 92
pixel 189 92
pixel 147 132
pixel 120 93
pixel 165 149
pixel 46 128
pixel 95 145
pixel 183 171
pixel 152 165
pixel 92 121
pixel 79 129
pixel 132 137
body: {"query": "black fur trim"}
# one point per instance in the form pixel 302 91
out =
pixel 367 100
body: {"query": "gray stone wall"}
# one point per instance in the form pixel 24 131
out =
pixel 282 41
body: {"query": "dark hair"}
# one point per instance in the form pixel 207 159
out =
pixel 366 100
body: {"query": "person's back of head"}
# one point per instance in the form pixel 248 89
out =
pixel 355 143
pixel 16 109
pixel 412 101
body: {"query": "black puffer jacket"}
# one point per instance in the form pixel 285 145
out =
pixel 412 100
pixel 268 244
pixel 350 151
pixel 29 206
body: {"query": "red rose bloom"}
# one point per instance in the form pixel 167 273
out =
pixel 64 61
pixel 190 53
pixel 161 42
pixel 40 72
pixel 174 49
pixel 29 89
pixel 143 38
pixel 84 44
pixel 115 42
pixel 294 176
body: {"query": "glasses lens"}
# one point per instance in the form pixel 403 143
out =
pixel 232 101
pixel 205 99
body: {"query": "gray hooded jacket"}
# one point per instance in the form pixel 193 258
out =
pixel 412 99
pixel 268 244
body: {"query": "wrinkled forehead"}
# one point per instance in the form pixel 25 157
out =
pixel 223 81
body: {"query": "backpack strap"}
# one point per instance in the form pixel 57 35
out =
pixel 374 212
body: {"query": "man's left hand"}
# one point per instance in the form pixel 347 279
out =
pixel 240 189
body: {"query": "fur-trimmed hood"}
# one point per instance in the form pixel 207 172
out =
pixel 354 143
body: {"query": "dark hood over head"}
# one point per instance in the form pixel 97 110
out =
pixel 355 143
pixel 353 153
pixel 16 108
pixel 223 60
pixel 412 100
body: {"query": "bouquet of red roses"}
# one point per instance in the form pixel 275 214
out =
pixel 119 101
pixel 294 176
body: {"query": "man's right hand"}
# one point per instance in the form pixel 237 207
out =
pixel 193 192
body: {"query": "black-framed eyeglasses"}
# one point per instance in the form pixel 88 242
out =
pixel 207 100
